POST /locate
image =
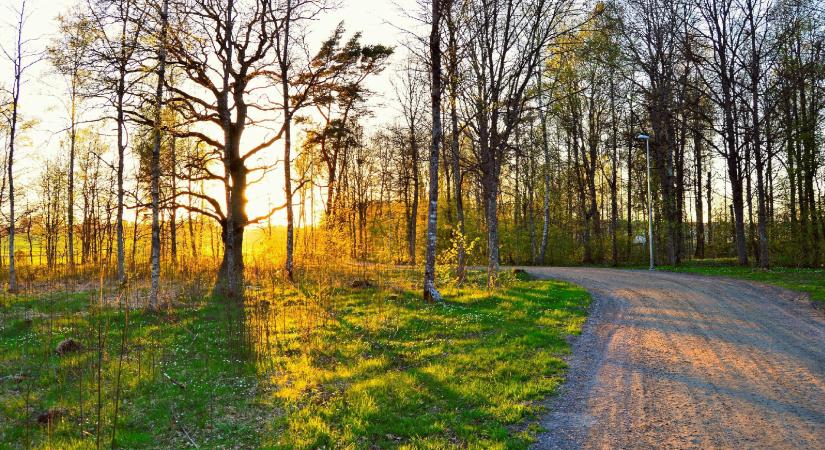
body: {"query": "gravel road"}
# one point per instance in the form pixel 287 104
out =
pixel 671 360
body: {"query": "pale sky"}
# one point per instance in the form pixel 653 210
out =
pixel 378 20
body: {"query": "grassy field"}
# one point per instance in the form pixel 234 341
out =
pixel 331 366
pixel 811 281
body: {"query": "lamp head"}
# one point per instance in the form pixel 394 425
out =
pixel 643 136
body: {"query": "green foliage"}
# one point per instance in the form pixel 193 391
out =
pixel 447 260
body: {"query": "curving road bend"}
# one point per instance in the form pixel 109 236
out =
pixel 671 360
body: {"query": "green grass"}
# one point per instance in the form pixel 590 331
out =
pixel 811 281
pixel 361 368
pixel 183 345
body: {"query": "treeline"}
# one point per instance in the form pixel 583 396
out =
pixel 541 161
pixel 516 140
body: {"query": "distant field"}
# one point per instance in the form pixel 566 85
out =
pixel 811 281
pixel 333 367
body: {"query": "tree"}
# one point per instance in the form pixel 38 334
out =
pixel 587 110
pixel 21 60
pixel 340 69
pixel 505 43
pixel 284 50
pixel 723 29
pixel 115 62
pixel 756 14
pixel 453 13
pixel 544 91
pixel 225 52
pixel 799 35
pixel 163 25
pixel 69 54
pixel 650 30
pixel 228 53
pixel 300 83
pixel 52 184
pixel 430 292
pixel 409 91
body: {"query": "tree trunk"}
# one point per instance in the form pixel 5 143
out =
pixel 10 162
pixel 630 185
pixel 710 209
pixel 545 146
pixel 430 292
pixel 490 192
pixel 161 74
pixel 738 206
pixel 17 62
pixel 70 187
pixel 135 237
pixel 121 156
pixel 230 273
pixel 173 212
pixel 732 160
pixel 230 281
pixel 412 231
pixel 461 254
pixel 287 109
pixel 614 188
pixel 700 220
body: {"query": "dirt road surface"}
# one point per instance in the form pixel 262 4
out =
pixel 671 360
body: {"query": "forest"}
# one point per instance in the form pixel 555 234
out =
pixel 224 178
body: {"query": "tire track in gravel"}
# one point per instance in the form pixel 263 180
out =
pixel 670 360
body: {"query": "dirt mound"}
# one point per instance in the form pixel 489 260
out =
pixel 67 346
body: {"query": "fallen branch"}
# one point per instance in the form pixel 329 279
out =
pixel 173 381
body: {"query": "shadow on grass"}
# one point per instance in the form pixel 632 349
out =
pixel 466 372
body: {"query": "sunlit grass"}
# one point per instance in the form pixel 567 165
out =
pixel 329 366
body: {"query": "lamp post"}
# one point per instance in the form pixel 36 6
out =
pixel 649 200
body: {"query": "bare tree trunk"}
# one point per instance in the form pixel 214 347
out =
pixel 630 182
pixel 430 292
pixel 121 155
pixel 284 66
pixel 453 58
pixel 762 217
pixel 490 192
pixel 161 74
pixel 614 188
pixel 12 274
pixel 461 252
pixel 17 63
pixel 700 220
pixel 709 195
pixel 545 146
pixel 412 231
pixel 70 193
pixel 29 239
pixel 173 211
pixel 530 204
pixel 135 238
pixel 738 208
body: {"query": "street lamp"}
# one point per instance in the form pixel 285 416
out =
pixel 649 201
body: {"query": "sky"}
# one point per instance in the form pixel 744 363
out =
pixel 380 21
